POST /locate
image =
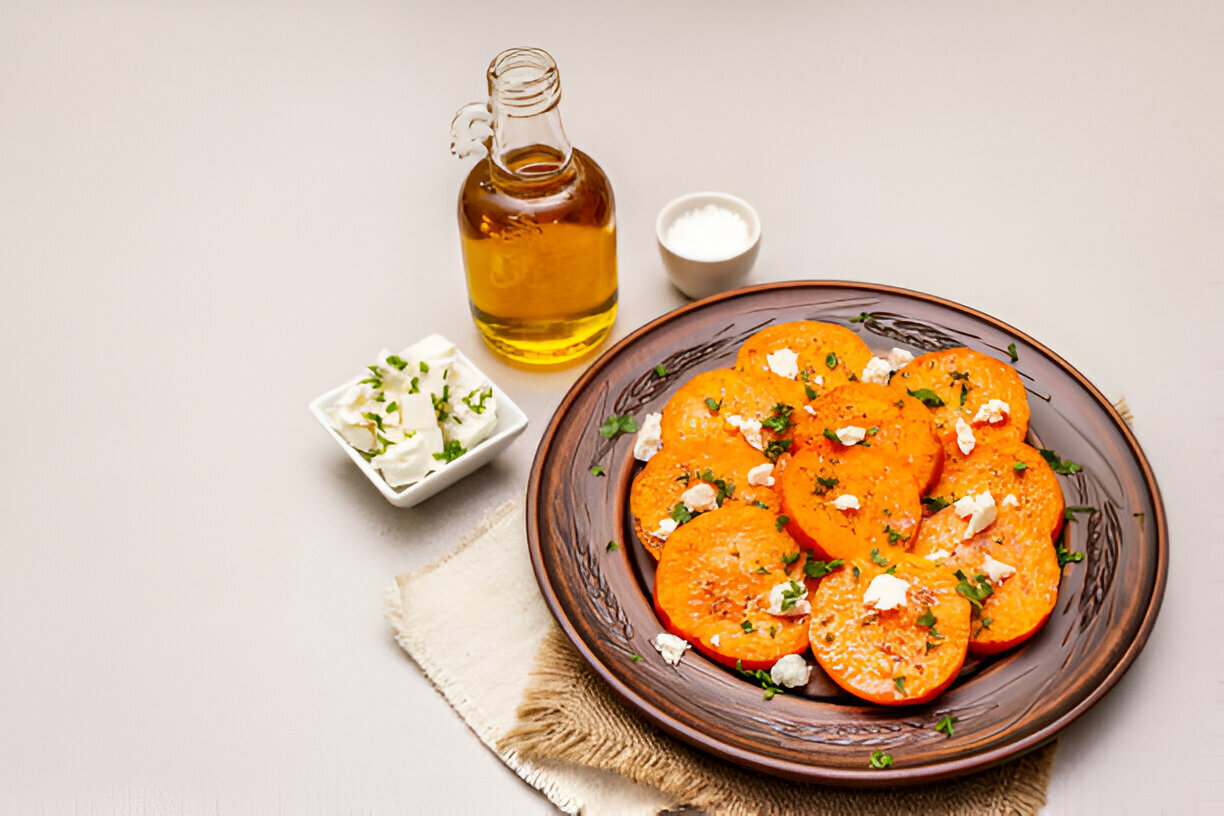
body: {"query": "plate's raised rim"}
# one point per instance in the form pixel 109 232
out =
pixel 814 773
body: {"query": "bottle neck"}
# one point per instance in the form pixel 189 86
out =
pixel 529 141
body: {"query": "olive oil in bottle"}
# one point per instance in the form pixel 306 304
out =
pixel 536 221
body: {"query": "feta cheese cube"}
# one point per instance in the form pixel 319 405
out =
pixel 750 428
pixel 649 438
pixel 784 363
pixel 851 435
pixel 898 357
pixel 791 671
pixel 700 498
pixel 789 599
pixel 671 647
pixel 997 571
pixel 964 436
pixel 1010 499
pixel 886 592
pixel 876 371
pixel 994 411
pixel 846 501
pixel 761 475
pixel 666 527
pixel 938 555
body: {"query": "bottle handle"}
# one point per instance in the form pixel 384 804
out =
pixel 471 130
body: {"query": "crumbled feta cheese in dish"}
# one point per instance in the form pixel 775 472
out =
pixel 994 411
pixel 789 599
pixel 666 527
pixel 810 410
pixel 997 571
pixel 784 363
pixel 649 438
pixel 714 641
pixel 818 380
pixel 671 647
pixel 761 475
pixel 750 428
pixel 980 509
pixel 700 498
pixel 898 357
pixel 876 371
pixel 791 671
pixel 886 592
pixel 472 414
pixel 964 436
pixel 846 501
pixel 1010 499
pixel 938 555
pixel 965 506
pixel 851 435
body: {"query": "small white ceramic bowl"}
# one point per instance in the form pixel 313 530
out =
pixel 510 423
pixel 696 278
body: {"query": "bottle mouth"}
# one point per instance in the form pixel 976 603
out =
pixel 524 80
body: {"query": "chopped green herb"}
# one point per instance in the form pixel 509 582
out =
pixel 959 375
pixel 881 760
pixel 877 558
pixel 397 361
pixel 636 658
pixel 442 406
pixel 1011 352
pixel 819 569
pixel 725 488
pixel 380 397
pixel 831 434
pixel 855 570
pixel 375 418
pixel 1064 555
pixel 615 425
pixel 451 451
pixel 660 370
pixel 712 405
pixel 680 513
pixel 864 317
pixel 789 558
pixel 1019 466
pixel 895 535
pixel 1063 466
pixel 760 504
pixel 773 631
pixel 964 394
pixel 791 595
pixel 762 677
pixel 926 618
pixel 947 725
pixel 852 378
pixel 597 470
pixel 612 546
pixel 683 479
pixel 778 525
pixel 761 571
pixel 1069 512
pixel 823 485
pixel 935 503
pixel 831 360
pixel 873 430
pixel 975 594
pixel 809 391
pixel 930 646
pixel 929 398
pixel 780 420
pixel 747 626
pixel 479 395
pixel 392 406
pixel 899 682
pixel 424 367
pixel 891 570
pixel 415 386
pixel 776 448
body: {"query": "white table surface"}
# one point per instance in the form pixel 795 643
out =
pixel 212 212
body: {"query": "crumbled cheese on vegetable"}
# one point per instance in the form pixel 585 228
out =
pixel 851 435
pixel 810 410
pixel 791 671
pixel 964 436
pixel 846 501
pixel 997 571
pixel 791 590
pixel 666 527
pixel 898 357
pixel 714 641
pixel 784 363
pixel 750 428
pixel 761 475
pixel 1011 499
pixel 886 592
pixel 700 498
pixel 876 371
pixel 979 509
pixel 938 555
pixel 994 411
pixel 649 438
pixel 671 647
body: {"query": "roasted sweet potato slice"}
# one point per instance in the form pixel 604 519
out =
pixel 1013 469
pixel 828 355
pixel 1009 609
pixel 715 404
pixel 713 585
pixel 899 656
pixel 898 425
pixel 721 462
pixel 812 482
pixel 959 383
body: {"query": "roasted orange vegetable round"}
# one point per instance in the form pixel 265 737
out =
pixel 721 462
pixel 828 355
pixel 959 383
pixel 712 405
pixel 713 585
pixel 812 482
pixel 899 656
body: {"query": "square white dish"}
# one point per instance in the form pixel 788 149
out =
pixel 511 421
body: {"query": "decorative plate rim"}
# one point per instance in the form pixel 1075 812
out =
pixel 971 762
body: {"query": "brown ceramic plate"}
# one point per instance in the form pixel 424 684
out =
pixel 1004 706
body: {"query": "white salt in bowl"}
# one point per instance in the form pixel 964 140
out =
pixel 702 267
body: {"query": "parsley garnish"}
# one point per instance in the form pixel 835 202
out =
pixel 975 594
pixel 1020 466
pixel 636 658
pixel 778 525
pixel 929 398
pixel 761 571
pixel 680 513
pixel 873 430
pixel 823 485
pixel 831 360
pixel 762 677
pixel 760 504
pixel 683 479
pixel 959 375
pixel 1011 352
pixel 791 595
pixel 789 558
pixel 424 367
pixel 442 406
pixel 415 386
pixel 1069 513
pixel 829 433
pixel 375 418
pixel 877 558
pixel 819 569
pixel 615 425
pixel 895 535
pixel 881 760
pixel 864 317
pixel 451 451
pixel 392 406
pixel 660 370
pixel 747 626
pixel 947 725
pixel 935 503
pixel 1063 466
pixel 712 405
pixel 776 448
pixel 1064 555
pixel 612 546
pixel 479 405
pixel 855 570
pixel 926 618
pixel 964 394
pixel 597 470
pixel 397 361
pixel 725 488
pixel 899 682
pixel 780 420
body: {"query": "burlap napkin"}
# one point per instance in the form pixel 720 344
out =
pixel 559 727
